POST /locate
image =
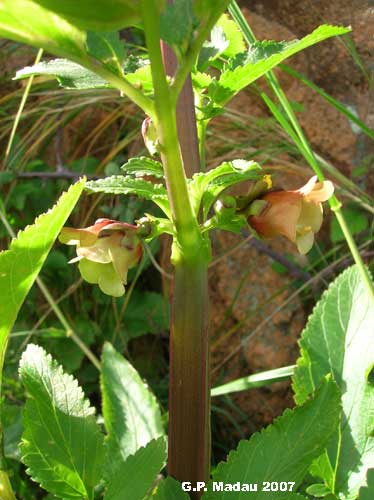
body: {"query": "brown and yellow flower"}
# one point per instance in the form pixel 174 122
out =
pixel 105 252
pixel 297 214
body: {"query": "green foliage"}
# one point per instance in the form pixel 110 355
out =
pixel 135 477
pixel 62 444
pixel 69 74
pixel 338 340
pixel 21 264
pixel 356 219
pixel 367 492
pixel 233 35
pixel 177 23
pixel 107 14
pixel 262 57
pixel 205 187
pixel 253 381
pixel 117 184
pixel 168 489
pixel 39 27
pixel 284 450
pixel 107 48
pixel 147 312
pixel 142 166
pixel 131 413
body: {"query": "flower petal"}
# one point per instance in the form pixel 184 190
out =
pixel 280 216
pixel 110 283
pixel 90 271
pixel 72 236
pixel 305 242
pixel 311 216
pixel 322 191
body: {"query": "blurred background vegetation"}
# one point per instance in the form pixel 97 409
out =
pixel 261 292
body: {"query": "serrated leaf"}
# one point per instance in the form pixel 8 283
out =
pixel 168 489
pixel 284 450
pixel 143 166
pixel 20 265
pixel 69 74
pixel 201 80
pixel 136 476
pixel 205 187
pixel 212 48
pixel 107 14
pixel 261 58
pixel 233 35
pixel 338 339
pixel 117 184
pixel 62 444
pixel 131 413
pixel 177 24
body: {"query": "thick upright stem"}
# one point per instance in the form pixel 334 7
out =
pixel 189 400
pixel 189 394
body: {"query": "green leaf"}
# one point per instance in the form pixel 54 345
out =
pixel 143 166
pixel 338 339
pixel 69 74
pixel 284 450
pixel 212 48
pixel 177 23
pixel 262 57
pixel 27 22
pixel 367 492
pixel 356 220
pixel 168 489
pixel 136 476
pixel 62 444
pixel 205 187
pixel 147 312
pixel 107 48
pixel 233 35
pixel 318 490
pixel 253 381
pixel 21 264
pixel 107 14
pixel 131 413
pixel 117 184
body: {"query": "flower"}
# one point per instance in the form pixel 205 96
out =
pixel 105 252
pixel 297 214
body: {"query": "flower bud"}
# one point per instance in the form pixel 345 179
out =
pixel 150 138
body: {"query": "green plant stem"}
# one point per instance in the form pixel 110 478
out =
pixel 144 102
pixel 6 491
pixel 20 110
pixel 189 393
pixel 185 222
pixel 55 307
pixel 194 49
pixel 305 149
pixel 189 142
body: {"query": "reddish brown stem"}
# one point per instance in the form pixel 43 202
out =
pixel 186 117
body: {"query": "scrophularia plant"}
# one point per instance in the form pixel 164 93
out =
pixel 207 63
